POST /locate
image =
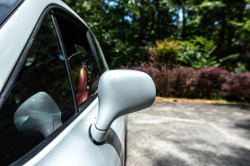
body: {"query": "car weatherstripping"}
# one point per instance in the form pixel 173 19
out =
pixel 59 102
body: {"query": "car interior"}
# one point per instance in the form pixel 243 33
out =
pixel 82 56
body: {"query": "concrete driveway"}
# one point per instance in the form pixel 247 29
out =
pixel 189 134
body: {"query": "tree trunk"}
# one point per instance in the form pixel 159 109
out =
pixel 141 37
pixel 158 19
pixel 229 36
pixel 123 23
pixel 183 20
pixel 222 30
pixel 177 22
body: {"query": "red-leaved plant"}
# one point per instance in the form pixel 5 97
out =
pixel 203 83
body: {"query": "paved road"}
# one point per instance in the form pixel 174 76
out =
pixel 178 134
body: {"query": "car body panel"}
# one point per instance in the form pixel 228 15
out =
pixel 13 40
pixel 73 145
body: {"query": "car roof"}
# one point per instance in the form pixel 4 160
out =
pixel 15 33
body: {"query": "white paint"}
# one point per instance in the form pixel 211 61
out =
pixel 122 92
pixel 72 146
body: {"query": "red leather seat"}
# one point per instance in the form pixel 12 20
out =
pixel 82 92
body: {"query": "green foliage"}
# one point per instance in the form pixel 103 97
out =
pixel 241 68
pixel 166 52
pixel 197 53
pixel 120 26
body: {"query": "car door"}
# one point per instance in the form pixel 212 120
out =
pixel 51 98
pixel 85 57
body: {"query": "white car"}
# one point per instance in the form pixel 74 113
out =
pixel 59 103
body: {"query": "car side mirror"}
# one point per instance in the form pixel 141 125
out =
pixel 120 92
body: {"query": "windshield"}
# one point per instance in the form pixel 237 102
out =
pixel 6 7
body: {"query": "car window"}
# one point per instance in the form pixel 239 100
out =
pixel 40 100
pixel 5 5
pixel 99 55
pixel 82 55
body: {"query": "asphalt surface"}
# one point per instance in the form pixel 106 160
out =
pixel 177 134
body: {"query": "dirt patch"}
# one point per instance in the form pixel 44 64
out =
pixel 165 99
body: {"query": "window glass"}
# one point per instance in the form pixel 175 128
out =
pixel 41 99
pixel 5 5
pixel 85 73
pixel 83 59
pixel 99 55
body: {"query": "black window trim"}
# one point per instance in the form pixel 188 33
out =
pixel 15 72
pixel 66 60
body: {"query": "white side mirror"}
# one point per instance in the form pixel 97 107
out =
pixel 120 92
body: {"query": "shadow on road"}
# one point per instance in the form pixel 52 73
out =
pixel 189 134
pixel 231 156
pixel 244 124
pixel 245 107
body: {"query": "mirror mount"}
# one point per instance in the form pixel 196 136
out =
pixel 120 92
pixel 98 137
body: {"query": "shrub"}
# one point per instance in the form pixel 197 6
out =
pixel 175 82
pixel 210 83
pixel 163 53
pixel 183 82
pixel 210 80
pixel 237 87
pixel 197 53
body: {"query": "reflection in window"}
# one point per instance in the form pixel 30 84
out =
pixel 41 99
pixel 82 55
pixel 85 73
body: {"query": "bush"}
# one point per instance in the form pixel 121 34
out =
pixel 237 87
pixel 174 83
pixel 210 80
pixel 164 53
pixel 197 53
pixel 209 83
pixel 183 82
